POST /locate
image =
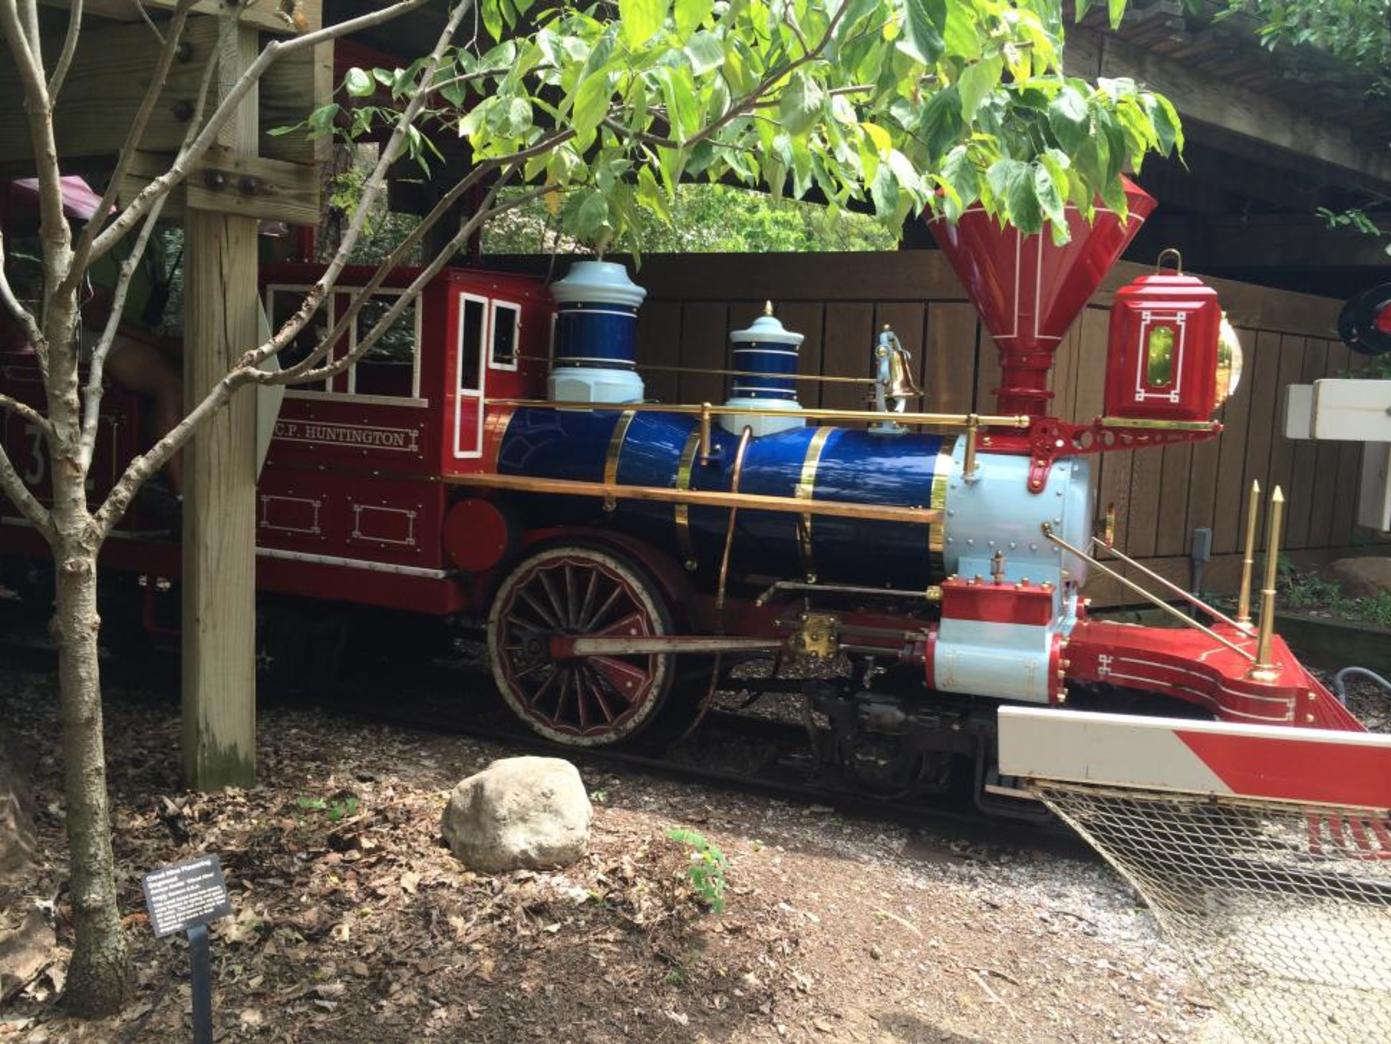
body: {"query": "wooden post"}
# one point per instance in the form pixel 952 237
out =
pixel 219 537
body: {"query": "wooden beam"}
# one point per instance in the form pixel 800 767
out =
pixel 1300 136
pixel 1293 241
pixel 110 72
pixel 266 15
pixel 248 186
pixel 108 78
pixel 221 322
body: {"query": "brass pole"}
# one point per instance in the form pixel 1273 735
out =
pixel 1248 560
pixel 735 474
pixel 705 433
pixel 917 516
pixel 1264 668
pixel 944 420
pixel 1158 603
pixel 968 463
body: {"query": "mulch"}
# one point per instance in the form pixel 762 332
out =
pixel 354 923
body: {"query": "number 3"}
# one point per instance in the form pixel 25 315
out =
pixel 36 470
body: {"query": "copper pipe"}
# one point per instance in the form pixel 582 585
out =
pixel 940 420
pixel 736 472
pixel 702 498
pixel 1264 668
pixel 1248 558
pixel 1146 595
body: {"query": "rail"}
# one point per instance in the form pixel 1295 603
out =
pixel 1148 596
pixel 613 491
pixel 705 412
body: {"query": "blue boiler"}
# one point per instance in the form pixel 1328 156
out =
pixel 829 463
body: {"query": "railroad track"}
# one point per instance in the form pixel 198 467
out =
pixel 730 751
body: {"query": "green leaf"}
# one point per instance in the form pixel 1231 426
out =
pixel 591 103
pixel 800 103
pixel 941 125
pixel 1012 182
pixel 705 52
pixel 691 14
pixel 592 215
pixel 650 194
pixel 976 81
pixel 959 172
pixel 1051 202
pixel 492 18
pixel 359 83
pixel 1069 118
pixel 640 20
pixel 923 25
pixel 1115 9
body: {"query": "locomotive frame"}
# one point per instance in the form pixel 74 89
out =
pixel 622 555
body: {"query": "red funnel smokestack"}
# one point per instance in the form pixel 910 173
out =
pixel 1028 291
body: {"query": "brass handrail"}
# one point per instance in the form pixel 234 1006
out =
pixel 710 371
pixel 941 420
pixel 1187 621
pixel 701 498
pixel 1187 596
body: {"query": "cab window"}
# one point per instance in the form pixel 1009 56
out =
pixel 471 324
pixel 281 303
pixel 390 368
pixel 507 321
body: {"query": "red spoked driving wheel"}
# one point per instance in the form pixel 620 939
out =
pixel 573 591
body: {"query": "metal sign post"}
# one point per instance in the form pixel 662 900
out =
pixel 186 897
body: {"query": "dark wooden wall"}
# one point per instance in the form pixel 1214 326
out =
pixel 839 301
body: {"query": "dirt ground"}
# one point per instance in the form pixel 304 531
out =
pixel 354 923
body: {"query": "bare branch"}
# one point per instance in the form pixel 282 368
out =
pixel 372 188
pixel 22 315
pixel 292 326
pixel 407 296
pixel 30 414
pixel 273 50
pixel 31 27
pixel 134 134
pixel 30 64
pixel 13 487
pixel 60 71
pixel 150 22
pixel 96 371
pixel 145 465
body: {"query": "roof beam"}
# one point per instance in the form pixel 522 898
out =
pixel 1230 110
pixel 264 16
pixel 1265 241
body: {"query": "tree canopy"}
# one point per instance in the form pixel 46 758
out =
pixel 909 103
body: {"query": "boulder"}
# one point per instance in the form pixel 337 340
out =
pixel 518 813
pixel 1360 577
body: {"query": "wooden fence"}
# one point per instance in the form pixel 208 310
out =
pixel 839 301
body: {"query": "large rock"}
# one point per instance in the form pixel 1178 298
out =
pixel 1360 577
pixel 519 813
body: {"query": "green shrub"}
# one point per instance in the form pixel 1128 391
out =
pixel 706 869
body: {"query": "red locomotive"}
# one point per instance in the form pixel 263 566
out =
pixel 493 458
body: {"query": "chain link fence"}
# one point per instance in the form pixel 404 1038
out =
pixel 1283 911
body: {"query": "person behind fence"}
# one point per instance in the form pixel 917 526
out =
pixel 142 358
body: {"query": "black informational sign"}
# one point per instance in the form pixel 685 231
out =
pixel 184 895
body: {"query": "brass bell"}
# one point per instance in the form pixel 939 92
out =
pixel 901 382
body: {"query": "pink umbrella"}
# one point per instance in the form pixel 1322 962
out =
pixel 79 201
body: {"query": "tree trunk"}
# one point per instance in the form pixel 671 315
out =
pixel 99 976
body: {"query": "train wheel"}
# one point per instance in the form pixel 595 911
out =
pixel 575 590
